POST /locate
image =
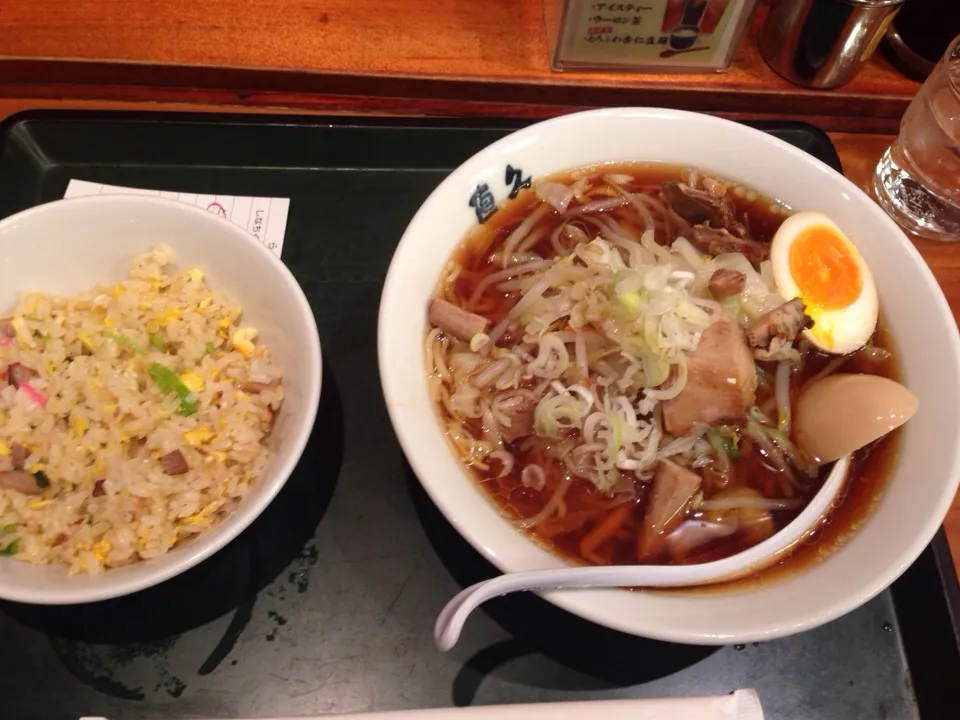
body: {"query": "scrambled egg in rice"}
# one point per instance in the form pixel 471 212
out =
pixel 132 417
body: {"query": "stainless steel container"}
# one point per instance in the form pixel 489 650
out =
pixel 822 43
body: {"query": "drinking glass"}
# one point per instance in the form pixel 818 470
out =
pixel 918 178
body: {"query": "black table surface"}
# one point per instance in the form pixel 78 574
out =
pixel 326 603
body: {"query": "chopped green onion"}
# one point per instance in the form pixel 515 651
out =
pixel 477 342
pixel 656 370
pixel 158 341
pixel 557 414
pixel 713 437
pixel 630 301
pixel 722 443
pixel 42 480
pixel 781 439
pixel 763 374
pixel 730 447
pixel 765 426
pixel 125 342
pixel 210 348
pixel 731 306
pixel 758 415
pixel 168 382
pixel 14 546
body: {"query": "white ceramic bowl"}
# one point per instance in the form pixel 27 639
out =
pixel 70 245
pixel 923 482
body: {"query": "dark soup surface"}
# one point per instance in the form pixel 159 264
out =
pixel 613 361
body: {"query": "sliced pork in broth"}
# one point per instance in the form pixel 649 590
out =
pixel 612 359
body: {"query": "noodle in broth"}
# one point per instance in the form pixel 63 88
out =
pixel 592 354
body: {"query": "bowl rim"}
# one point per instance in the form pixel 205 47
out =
pixel 102 586
pixel 394 378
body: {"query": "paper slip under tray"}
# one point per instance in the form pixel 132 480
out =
pixel 740 705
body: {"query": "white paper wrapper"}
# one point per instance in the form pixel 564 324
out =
pixel 741 705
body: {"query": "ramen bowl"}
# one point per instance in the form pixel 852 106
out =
pixel 69 246
pixel 867 556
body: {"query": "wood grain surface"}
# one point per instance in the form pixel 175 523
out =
pixel 493 55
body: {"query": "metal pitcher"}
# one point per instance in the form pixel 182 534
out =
pixel 822 43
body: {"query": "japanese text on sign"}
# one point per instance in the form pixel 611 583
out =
pixel 692 33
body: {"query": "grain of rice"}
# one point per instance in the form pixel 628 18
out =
pixel 106 422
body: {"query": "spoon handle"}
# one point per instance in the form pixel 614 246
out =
pixel 450 622
pixel 452 618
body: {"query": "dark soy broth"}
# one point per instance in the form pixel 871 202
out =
pixel 584 510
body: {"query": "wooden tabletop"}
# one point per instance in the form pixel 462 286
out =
pixel 451 56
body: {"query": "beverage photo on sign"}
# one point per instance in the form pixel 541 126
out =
pixel 655 35
pixel 691 23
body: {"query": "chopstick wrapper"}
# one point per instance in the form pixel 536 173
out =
pixel 740 705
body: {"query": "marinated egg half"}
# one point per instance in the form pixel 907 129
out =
pixel 812 259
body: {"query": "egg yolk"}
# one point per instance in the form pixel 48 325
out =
pixel 824 268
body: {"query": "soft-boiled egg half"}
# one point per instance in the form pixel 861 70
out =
pixel 812 259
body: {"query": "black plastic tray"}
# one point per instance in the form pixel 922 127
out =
pixel 326 604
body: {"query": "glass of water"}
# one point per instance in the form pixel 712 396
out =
pixel 918 179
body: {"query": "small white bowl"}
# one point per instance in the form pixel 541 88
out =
pixel 922 485
pixel 68 246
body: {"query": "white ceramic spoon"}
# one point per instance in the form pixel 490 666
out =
pixel 835 416
pixel 454 615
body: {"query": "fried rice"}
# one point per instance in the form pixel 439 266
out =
pixel 132 417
